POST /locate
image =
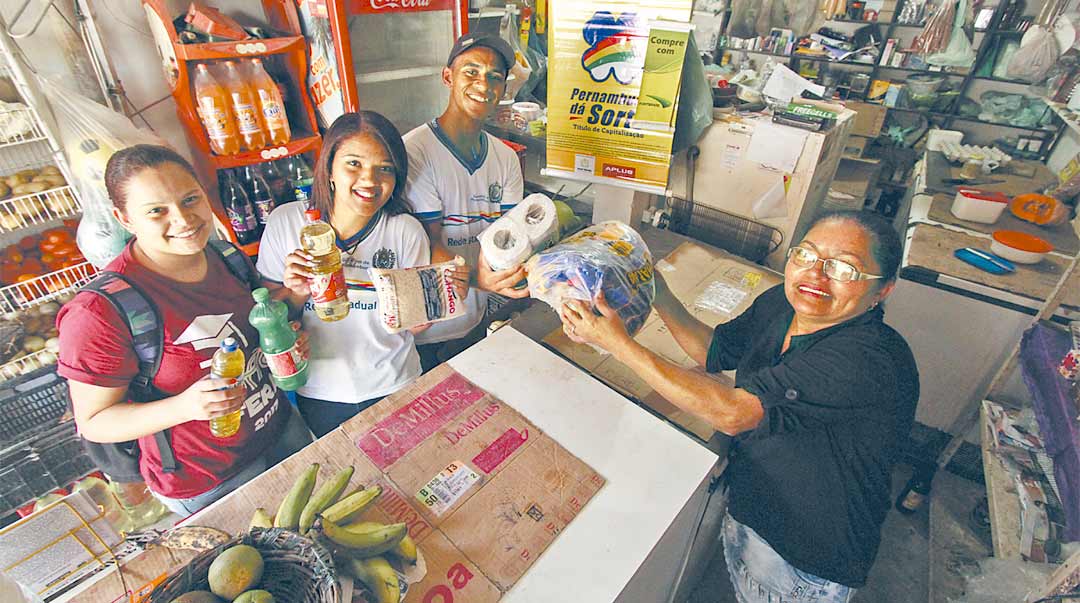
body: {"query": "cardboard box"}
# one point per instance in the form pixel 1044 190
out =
pixel 467 466
pixel 869 118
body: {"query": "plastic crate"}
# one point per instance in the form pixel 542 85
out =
pixel 49 460
pixel 30 404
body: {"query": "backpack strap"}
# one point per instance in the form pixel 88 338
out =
pixel 148 339
pixel 237 263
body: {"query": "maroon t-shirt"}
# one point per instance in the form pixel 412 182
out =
pixel 96 348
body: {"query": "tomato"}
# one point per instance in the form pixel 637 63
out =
pixel 71 224
pixel 8 273
pixel 48 246
pixel 22 278
pixel 68 263
pixel 33 267
pixel 13 255
pixel 48 258
pixel 27 243
pixel 57 235
pixel 65 249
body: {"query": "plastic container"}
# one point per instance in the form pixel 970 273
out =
pixel 978 206
pixel 1019 247
pixel 924 84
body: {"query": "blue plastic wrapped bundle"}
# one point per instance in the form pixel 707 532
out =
pixel 609 257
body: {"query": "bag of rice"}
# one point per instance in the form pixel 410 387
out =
pixel 609 257
pixel 410 297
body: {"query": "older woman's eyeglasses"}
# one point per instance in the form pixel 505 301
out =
pixel 837 270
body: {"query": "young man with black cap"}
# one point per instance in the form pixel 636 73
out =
pixel 461 179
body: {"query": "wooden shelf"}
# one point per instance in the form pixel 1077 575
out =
pixel 1067 115
pixel 293 147
pixel 1001 494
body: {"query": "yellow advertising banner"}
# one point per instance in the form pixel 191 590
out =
pixel 596 59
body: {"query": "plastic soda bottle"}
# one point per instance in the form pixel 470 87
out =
pixel 288 368
pixel 328 292
pixel 213 106
pixel 300 176
pixel 259 194
pixel 228 363
pixel 245 106
pixel 242 216
pixel 273 108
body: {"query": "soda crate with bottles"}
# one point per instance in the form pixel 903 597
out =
pixel 241 95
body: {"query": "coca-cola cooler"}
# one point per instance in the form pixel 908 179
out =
pixel 381 55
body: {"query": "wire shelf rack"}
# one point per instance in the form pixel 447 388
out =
pixel 18 125
pixel 25 365
pixel 41 289
pixel 35 209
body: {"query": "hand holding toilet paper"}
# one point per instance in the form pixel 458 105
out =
pixel 531 226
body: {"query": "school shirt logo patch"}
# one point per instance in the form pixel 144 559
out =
pixel 384 259
pixel 495 193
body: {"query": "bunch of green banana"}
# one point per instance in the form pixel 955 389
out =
pixel 368 541
pixel 351 506
pixel 379 576
pixel 404 550
pixel 324 497
pixel 288 514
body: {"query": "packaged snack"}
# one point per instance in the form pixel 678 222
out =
pixel 609 257
pixel 410 297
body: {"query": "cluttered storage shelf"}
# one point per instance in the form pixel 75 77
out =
pixel 241 96
pixel 40 267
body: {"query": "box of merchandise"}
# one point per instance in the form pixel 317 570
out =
pixel 869 119
pixel 495 489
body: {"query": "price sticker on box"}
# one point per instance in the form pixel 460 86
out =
pixel 447 487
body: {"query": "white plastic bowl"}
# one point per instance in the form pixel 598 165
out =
pixel 978 206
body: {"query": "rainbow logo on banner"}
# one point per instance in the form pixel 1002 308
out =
pixel 613 47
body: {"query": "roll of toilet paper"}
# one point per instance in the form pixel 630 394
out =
pixel 538 215
pixel 505 244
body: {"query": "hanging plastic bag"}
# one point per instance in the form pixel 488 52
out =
pixel 695 111
pixel 959 52
pixel 744 16
pixel 1033 60
pixel 609 257
pixel 90 133
pixel 521 70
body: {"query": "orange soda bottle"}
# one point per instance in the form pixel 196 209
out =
pixel 213 105
pixel 270 104
pixel 245 106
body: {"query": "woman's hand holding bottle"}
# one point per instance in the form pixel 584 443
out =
pixel 210 398
pixel 298 274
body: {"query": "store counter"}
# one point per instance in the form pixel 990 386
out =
pixel 962 322
pixel 628 543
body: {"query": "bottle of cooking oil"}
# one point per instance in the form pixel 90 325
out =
pixel 228 363
pixel 142 507
pixel 106 500
pixel 328 292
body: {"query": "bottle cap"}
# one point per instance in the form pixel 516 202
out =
pixel 313 214
pixel 261 295
pixel 229 344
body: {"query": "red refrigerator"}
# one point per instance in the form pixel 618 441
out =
pixel 388 54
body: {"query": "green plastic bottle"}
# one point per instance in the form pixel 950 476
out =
pixel 278 341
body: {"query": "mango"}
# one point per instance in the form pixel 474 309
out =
pixel 255 596
pixel 234 571
pixel 197 596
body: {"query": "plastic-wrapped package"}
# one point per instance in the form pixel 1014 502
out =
pixel 410 297
pixel 1033 60
pixel 609 257
pixel 90 133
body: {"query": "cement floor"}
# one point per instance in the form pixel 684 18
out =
pixel 900 574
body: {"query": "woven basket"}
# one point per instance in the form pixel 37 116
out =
pixel 297 569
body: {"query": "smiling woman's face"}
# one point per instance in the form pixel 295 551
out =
pixel 167 211
pixel 824 302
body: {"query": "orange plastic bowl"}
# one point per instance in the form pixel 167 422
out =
pixel 1019 246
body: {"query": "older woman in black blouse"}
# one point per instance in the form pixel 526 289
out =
pixel 824 393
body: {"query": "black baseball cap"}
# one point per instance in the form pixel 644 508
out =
pixel 492 41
